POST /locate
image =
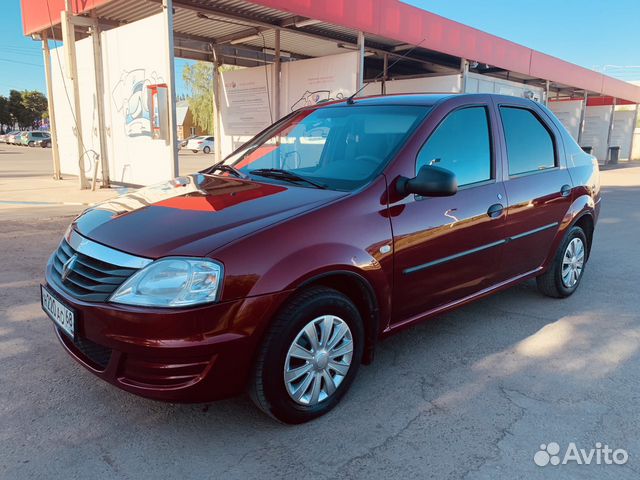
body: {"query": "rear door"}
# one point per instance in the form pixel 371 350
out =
pixel 448 248
pixel 537 182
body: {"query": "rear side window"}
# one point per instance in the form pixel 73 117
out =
pixel 529 142
pixel 461 144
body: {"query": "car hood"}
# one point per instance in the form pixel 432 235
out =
pixel 194 215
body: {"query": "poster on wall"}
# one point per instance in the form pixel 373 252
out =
pixel 245 94
pixel 308 82
pixel 135 57
pixel 244 100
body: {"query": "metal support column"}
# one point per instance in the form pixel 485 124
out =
pixel 385 72
pixel 547 84
pixel 51 108
pixel 633 132
pixel 99 76
pixel 464 71
pixel 360 67
pixel 277 67
pixel 167 11
pixel 583 117
pixel 611 120
pixel 217 134
pixel 69 39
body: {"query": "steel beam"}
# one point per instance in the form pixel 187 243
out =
pixel 167 12
pixel 69 39
pixel 51 108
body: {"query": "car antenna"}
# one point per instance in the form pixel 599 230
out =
pixel 365 85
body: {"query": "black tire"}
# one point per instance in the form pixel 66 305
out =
pixel 267 386
pixel 550 283
pixel 206 150
pixel 194 151
pixel 31 144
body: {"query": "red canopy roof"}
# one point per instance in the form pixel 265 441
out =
pixel 398 21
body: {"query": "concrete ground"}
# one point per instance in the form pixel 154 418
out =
pixel 472 394
pixel 26 179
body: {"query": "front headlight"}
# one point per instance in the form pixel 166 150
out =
pixel 172 282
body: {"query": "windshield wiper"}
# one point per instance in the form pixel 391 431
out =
pixel 225 168
pixel 285 175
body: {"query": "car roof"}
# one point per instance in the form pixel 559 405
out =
pixel 419 99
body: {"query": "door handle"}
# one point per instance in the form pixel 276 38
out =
pixel 495 210
pixel 565 190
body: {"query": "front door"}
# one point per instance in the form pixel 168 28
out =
pixel 448 248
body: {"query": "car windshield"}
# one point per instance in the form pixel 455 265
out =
pixel 340 148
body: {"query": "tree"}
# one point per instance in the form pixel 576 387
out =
pixel 199 79
pixel 15 107
pixel 5 117
pixel 35 106
pixel 26 108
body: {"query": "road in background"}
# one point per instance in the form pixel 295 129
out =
pixel 472 394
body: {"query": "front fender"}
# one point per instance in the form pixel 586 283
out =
pixel 296 269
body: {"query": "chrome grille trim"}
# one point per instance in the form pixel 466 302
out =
pixel 89 271
pixel 103 253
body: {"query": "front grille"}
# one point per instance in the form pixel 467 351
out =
pixel 88 279
pixel 97 355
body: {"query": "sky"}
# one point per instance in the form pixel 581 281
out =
pixel 591 33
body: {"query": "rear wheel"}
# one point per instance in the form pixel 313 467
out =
pixel 206 150
pixel 309 357
pixel 564 275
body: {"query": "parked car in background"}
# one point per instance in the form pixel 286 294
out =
pixel 44 143
pixel 11 137
pixel 202 144
pixel 17 139
pixel 280 268
pixel 5 138
pixel 184 142
pixel 31 137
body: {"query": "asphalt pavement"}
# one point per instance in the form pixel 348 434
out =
pixel 472 394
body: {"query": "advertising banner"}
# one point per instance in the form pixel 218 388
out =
pixel 307 82
pixel 244 100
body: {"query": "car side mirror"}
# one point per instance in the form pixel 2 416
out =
pixel 431 181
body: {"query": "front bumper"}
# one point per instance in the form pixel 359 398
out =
pixel 177 355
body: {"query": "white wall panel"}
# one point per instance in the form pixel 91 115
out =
pixel 568 112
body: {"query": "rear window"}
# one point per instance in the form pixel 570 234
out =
pixel 530 146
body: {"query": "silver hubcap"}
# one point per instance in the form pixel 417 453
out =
pixel 318 360
pixel 572 262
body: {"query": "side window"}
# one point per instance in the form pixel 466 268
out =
pixel 461 144
pixel 529 143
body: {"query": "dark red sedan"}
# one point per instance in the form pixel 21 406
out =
pixel 279 269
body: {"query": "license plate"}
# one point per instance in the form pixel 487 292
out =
pixel 61 315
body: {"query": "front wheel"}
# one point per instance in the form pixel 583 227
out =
pixel 309 357
pixel 31 144
pixel 564 275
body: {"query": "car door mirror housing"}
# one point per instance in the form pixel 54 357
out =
pixel 431 181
